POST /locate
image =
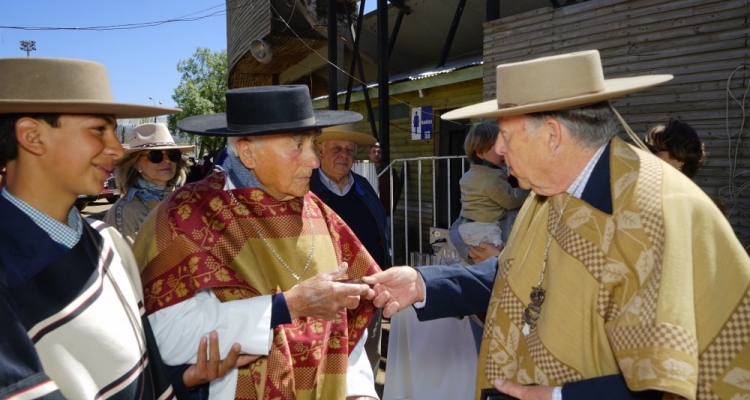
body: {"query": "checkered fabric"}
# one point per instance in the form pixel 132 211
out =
pixel 657 292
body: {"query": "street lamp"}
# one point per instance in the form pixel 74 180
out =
pixel 28 46
pixel 152 99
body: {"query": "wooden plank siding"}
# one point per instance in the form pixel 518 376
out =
pixel 246 20
pixel 704 43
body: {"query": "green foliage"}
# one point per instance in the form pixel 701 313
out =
pixel 201 91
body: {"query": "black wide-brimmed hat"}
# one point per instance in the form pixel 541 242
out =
pixel 265 110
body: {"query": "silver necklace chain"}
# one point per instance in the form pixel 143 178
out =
pixel 273 251
pixel 534 309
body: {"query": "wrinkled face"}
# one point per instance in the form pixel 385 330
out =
pixel 79 154
pixel 376 154
pixel 337 158
pixel 526 152
pixel 157 173
pixel 283 163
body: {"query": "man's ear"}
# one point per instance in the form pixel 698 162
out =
pixel 30 135
pixel 246 149
pixel 553 129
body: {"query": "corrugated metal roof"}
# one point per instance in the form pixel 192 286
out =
pixel 421 73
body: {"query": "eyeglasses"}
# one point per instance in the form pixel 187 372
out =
pixel 157 156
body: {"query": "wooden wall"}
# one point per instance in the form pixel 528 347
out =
pixel 704 43
pixel 246 20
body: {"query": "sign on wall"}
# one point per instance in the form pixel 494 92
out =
pixel 421 123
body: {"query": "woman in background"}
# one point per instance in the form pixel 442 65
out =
pixel 150 170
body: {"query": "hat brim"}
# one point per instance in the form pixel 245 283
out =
pixel 612 88
pixel 119 110
pixel 183 149
pixel 358 138
pixel 216 124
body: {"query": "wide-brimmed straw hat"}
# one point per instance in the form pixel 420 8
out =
pixel 346 133
pixel 265 110
pixel 154 136
pixel 553 83
pixel 63 86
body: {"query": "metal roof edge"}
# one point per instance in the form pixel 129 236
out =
pixel 459 71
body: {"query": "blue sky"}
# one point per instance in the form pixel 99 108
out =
pixel 141 62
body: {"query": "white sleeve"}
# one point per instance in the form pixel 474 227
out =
pixel 178 328
pixel 421 304
pixel 359 379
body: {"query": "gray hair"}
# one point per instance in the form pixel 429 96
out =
pixel 232 145
pixel 590 126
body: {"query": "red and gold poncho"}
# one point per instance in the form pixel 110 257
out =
pixel 204 240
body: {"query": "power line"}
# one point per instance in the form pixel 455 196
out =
pixel 185 18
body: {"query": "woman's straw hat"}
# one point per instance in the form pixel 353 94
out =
pixel 153 136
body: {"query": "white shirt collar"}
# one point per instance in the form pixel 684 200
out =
pixel 576 188
pixel 333 187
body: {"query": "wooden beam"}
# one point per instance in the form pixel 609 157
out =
pixel 306 66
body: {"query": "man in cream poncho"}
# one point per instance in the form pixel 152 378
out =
pixel 620 279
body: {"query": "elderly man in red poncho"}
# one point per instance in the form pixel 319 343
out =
pixel 251 253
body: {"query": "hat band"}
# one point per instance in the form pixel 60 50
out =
pixel 262 127
pixel 147 145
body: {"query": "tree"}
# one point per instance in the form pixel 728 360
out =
pixel 201 91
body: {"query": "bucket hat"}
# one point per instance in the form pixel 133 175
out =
pixel 153 136
pixel 553 83
pixel 347 133
pixel 265 110
pixel 65 86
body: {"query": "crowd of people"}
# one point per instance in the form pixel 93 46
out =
pixel 599 270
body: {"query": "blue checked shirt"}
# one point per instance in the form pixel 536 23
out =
pixel 67 235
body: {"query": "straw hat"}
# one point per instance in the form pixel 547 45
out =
pixel 265 110
pixel 347 133
pixel 153 136
pixel 553 83
pixel 65 86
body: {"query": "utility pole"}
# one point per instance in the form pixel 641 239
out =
pixel 152 99
pixel 28 46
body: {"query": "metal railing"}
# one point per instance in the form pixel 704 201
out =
pixel 423 165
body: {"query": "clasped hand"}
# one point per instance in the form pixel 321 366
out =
pixel 322 297
pixel 395 289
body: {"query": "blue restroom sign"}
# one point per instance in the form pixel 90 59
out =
pixel 421 123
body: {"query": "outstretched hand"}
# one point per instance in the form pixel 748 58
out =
pixel 210 366
pixel 395 289
pixel 322 297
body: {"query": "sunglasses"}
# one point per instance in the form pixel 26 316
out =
pixel 157 156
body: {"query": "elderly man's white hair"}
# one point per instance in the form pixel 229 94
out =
pixel 232 145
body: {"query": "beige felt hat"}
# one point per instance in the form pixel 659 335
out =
pixel 346 132
pixel 153 136
pixel 65 86
pixel 553 83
